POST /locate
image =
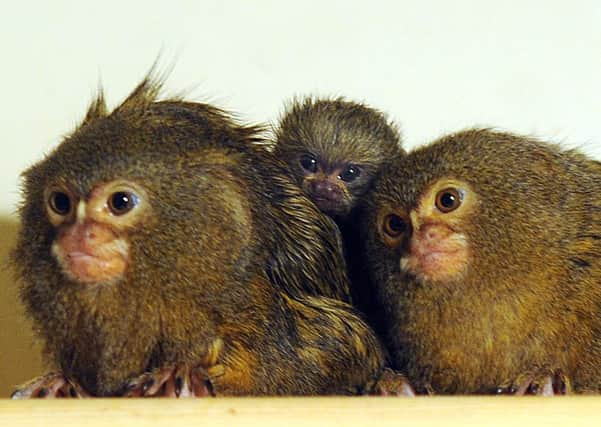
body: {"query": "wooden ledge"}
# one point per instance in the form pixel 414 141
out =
pixel 321 411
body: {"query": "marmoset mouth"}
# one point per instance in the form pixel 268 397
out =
pixel 329 205
pixel 439 261
pixel 106 263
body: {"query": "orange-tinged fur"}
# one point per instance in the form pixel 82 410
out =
pixel 221 263
pixel 523 300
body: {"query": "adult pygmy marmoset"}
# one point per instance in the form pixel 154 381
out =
pixel 485 250
pixel 158 241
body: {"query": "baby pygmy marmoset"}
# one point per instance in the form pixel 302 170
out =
pixel 159 240
pixel 334 148
pixel 485 250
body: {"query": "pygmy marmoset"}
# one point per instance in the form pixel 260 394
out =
pixel 484 248
pixel 160 242
pixel 334 148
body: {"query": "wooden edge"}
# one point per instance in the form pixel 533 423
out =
pixel 311 411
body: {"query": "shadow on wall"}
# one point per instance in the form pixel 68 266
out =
pixel 20 356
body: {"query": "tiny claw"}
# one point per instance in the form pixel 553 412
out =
pixel 200 380
pixel 128 389
pixel 392 383
pixel 524 387
pixel 505 389
pixel 49 386
pixel 167 388
pixel 179 383
pixel 172 381
pixel 547 388
pixel 183 382
pixel 533 388
pixel 147 385
pixel 542 385
pixel 561 383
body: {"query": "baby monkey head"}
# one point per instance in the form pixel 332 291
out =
pixel 330 186
pixel 334 148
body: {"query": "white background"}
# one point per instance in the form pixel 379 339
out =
pixel 533 67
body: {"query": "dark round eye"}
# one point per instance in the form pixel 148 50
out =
pixel 394 225
pixel 351 173
pixel 122 202
pixel 60 203
pixel 448 200
pixel 308 163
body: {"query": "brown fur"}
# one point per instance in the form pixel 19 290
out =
pixel 338 132
pixel 529 301
pixel 232 253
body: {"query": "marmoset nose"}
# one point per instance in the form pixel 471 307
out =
pixel 324 189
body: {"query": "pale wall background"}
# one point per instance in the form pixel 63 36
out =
pixel 532 67
pixel 436 66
